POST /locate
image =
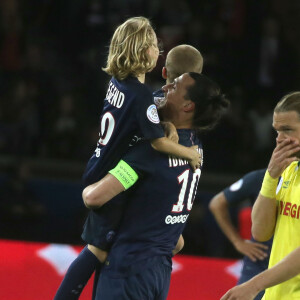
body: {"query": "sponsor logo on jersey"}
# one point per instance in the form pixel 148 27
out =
pixel 152 114
pixel 176 219
pixel 289 209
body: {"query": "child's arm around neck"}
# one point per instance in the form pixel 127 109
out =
pixel 167 146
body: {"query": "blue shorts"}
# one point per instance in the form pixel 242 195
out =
pixel 101 225
pixel 152 284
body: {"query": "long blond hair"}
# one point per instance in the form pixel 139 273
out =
pixel 289 102
pixel 128 49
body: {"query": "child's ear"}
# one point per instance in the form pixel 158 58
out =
pixel 164 73
pixel 190 106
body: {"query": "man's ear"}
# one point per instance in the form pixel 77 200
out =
pixel 189 106
pixel 164 73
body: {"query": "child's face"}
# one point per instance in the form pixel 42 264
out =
pixel 153 50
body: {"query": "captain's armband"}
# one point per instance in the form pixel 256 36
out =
pixel 125 174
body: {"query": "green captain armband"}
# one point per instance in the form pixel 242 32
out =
pixel 125 174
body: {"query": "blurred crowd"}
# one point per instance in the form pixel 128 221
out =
pixel 52 90
pixel 52 86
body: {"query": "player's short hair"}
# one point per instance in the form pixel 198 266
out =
pixel 183 59
pixel 289 102
pixel 210 103
pixel 128 49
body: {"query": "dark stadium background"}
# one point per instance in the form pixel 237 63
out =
pixel 52 88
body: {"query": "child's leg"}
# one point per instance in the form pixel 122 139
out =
pixel 101 255
pixel 78 275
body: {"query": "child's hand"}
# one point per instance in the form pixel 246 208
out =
pixel 170 131
pixel 195 160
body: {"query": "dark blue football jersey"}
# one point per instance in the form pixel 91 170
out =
pixel 158 208
pixel 248 187
pixel 128 111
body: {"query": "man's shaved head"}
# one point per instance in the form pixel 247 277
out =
pixel 183 59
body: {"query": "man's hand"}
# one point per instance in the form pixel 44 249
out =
pixel 282 156
pixel 170 131
pixel 245 291
pixel 255 251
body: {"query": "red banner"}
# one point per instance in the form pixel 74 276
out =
pixel 33 271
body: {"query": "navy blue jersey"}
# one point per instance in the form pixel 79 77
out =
pixel 157 210
pixel 128 111
pixel 248 187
